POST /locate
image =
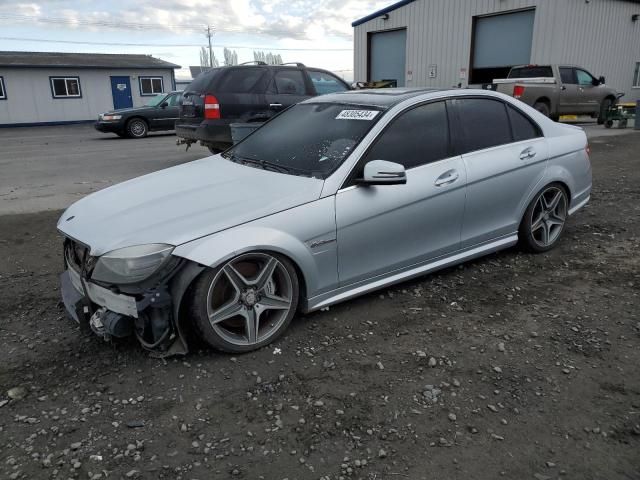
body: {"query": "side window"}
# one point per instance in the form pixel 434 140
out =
pixel 174 100
pixel 522 127
pixel 240 80
pixel 584 78
pixel 65 87
pixel 290 82
pixel 3 92
pixel 325 83
pixel 416 137
pixel 483 123
pixel 567 76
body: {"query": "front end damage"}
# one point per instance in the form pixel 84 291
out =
pixel 149 309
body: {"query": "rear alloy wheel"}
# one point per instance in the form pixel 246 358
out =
pixel 246 303
pixel 545 219
pixel 137 128
pixel 543 108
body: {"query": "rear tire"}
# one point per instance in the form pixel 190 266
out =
pixel 137 128
pixel 604 108
pixel 544 219
pixel 246 303
pixel 543 108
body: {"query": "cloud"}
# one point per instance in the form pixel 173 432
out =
pixel 281 19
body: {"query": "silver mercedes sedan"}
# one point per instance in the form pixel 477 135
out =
pixel 335 197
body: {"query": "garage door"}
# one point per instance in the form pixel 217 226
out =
pixel 500 42
pixel 388 51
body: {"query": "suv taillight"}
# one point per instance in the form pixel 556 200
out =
pixel 518 91
pixel 211 107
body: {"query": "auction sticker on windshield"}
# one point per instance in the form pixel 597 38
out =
pixel 357 115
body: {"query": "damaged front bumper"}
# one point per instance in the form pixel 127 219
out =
pixel 149 311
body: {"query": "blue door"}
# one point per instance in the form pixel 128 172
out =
pixel 121 91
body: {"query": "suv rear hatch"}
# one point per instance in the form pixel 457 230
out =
pixel 192 109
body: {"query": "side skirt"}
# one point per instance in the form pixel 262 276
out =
pixel 350 291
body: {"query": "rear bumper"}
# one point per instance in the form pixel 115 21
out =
pixel 109 127
pixel 207 132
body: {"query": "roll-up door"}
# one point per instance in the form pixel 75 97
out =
pixel 500 42
pixel 388 52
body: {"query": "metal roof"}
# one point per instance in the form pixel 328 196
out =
pixel 80 60
pixel 388 9
pixel 402 3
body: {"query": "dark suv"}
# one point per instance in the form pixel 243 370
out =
pixel 245 94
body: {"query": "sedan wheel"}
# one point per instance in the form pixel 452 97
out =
pixel 246 303
pixel 545 219
pixel 137 128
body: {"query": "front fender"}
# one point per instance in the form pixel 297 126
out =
pixel 305 234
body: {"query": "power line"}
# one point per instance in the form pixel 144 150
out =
pixel 118 44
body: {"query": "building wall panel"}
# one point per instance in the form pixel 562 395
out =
pixel 29 99
pixel 598 35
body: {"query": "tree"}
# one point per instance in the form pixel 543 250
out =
pixel 230 57
pixel 205 59
pixel 268 58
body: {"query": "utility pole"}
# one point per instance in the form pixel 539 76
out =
pixel 209 34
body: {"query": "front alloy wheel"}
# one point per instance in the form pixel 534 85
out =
pixel 137 128
pixel 545 219
pixel 246 303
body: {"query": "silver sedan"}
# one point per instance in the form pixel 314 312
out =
pixel 335 197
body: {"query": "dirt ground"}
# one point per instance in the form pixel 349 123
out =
pixel 513 366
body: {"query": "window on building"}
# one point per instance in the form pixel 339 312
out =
pixel 65 87
pixel 483 124
pixel 3 92
pixel 636 76
pixel 326 83
pixel 151 85
pixel 415 138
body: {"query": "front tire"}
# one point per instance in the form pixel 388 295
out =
pixel 246 303
pixel 604 108
pixel 137 128
pixel 544 219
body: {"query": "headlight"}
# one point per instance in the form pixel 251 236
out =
pixel 108 118
pixel 131 264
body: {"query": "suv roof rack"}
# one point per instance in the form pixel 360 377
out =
pixel 253 62
pixel 297 64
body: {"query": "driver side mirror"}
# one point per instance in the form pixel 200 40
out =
pixel 601 80
pixel 164 105
pixel 381 172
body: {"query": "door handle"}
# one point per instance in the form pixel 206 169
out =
pixel 527 153
pixel 446 178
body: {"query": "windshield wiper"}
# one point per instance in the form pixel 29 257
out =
pixel 265 164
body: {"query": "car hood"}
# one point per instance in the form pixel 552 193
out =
pixel 182 203
pixel 123 111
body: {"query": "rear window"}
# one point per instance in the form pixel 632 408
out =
pixel 308 139
pixel 240 80
pixel 203 81
pixel 530 72
pixel 483 123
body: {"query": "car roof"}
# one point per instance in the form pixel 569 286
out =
pixel 378 97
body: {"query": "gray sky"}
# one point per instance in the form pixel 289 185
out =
pixel 174 29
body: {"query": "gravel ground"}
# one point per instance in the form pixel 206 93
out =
pixel 515 365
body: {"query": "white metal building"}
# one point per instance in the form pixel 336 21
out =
pixel 39 88
pixel 444 43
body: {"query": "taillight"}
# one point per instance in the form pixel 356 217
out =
pixel 518 91
pixel 211 107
